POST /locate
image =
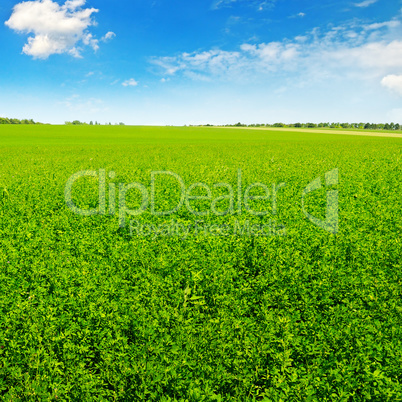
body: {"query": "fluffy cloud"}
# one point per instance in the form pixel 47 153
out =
pixel 248 60
pixel 273 53
pixel 355 50
pixel 130 83
pixel 55 28
pixel 393 82
pixel 109 36
pixel 378 56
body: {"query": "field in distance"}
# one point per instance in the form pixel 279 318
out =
pixel 348 131
pixel 229 297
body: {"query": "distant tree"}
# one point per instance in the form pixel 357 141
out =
pixel 91 123
pixel 298 125
pixel 6 120
pixel 75 123
pixel 311 125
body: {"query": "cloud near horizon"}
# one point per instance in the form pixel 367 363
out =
pixel 56 29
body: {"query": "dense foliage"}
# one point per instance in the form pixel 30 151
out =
pixel 88 312
pixel 6 120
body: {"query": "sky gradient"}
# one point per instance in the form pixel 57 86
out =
pixel 205 61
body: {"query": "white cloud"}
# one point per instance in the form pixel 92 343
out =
pixel 356 50
pixel 55 28
pixel 386 24
pixel 73 4
pixel 378 57
pixel 298 15
pixel 260 5
pixel 248 60
pixel 366 3
pixel 214 62
pixel 109 36
pixel 130 83
pixel 89 40
pixel 221 3
pixel 393 82
pixel 273 52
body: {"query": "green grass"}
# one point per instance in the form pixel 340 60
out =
pixel 88 312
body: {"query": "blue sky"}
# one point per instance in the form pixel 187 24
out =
pixel 201 61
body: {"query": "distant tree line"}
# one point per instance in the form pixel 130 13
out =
pixel 91 123
pixel 363 126
pixel 6 120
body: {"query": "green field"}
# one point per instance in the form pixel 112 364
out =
pixel 90 311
